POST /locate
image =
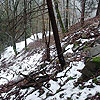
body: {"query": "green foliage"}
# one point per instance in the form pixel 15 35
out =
pixel 81 87
pixel 76 45
pixel 85 47
pixel 95 80
pixel 98 94
pixel 96 59
pixel 71 78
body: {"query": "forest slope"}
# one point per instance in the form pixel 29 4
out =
pixel 27 76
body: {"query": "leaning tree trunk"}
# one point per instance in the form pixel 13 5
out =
pixel 98 9
pixel 59 16
pixel 55 33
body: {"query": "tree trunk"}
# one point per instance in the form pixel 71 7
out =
pixel 59 16
pixel 55 33
pixel 13 31
pixel 98 9
pixel 25 22
pixel 82 13
pixel 14 46
pixel 48 44
pixel 64 12
pixel 73 18
pixel 43 22
pixel 67 7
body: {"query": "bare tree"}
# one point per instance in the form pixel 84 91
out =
pixel 55 33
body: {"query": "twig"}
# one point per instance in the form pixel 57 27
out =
pixel 4 78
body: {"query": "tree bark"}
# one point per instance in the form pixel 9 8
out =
pixel 59 16
pixel 25 23
pixel 55 33
pixel 14 45
pixel 67 7
pixel 13 31
pixel 43 22
pixel 82 13
pixel 98 9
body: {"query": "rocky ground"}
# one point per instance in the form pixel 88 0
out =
pixel 28 76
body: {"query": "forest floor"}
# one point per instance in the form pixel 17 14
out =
pixel 28 76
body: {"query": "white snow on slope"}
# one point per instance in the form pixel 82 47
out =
pixel 30 63
pixel 12 72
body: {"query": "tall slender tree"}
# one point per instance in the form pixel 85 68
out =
pixel 43 22
pixel 25 23
pixel 67 7
pixel 83 12
pixel 14 21
pixel 55 33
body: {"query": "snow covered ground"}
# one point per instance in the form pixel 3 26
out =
pixel 20 65
pixel 62 89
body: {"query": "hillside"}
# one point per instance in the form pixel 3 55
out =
pixel 28 76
